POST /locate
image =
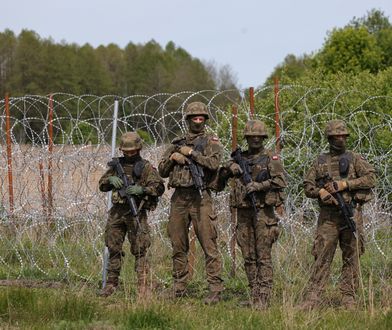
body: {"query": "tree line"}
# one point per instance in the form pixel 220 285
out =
pixel 32 65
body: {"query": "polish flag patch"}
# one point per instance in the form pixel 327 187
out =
pixel 275 157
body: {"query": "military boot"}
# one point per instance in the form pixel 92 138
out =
pixel 261 302
pixel 108 290
pixel 249 302
pixel 213 298
pixel 348 302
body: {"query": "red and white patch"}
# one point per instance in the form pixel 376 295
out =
pixel 275 157
pixel 215 139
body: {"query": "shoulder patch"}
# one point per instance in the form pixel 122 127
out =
pixel 214 138
pixel 275 157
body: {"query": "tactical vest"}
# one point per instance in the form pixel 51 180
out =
pixel 341 167
pixel 259 171
pixel 135 172
pixel 181 176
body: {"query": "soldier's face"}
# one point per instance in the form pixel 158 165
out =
pixel 255 142
pixel 197 124
pixel 338 142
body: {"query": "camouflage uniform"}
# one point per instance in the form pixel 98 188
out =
pixel 255 236
pixel 359 178
pixel 187 205
pixel 121 222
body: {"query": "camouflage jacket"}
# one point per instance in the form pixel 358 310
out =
pixel 207 153
pixel 143 174
pixel 349 166
pixel 264 166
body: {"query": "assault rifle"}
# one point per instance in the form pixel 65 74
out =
pixel 246 177
pixel 345 209
pixel 133 209
pixel 196 170
pixel 197 174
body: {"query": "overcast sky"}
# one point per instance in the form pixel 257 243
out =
pixel 252 36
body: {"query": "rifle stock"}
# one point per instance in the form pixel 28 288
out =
pixel 246 177
pixel 116 165
pixel 197 172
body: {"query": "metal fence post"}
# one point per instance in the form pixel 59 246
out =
pixel 105 259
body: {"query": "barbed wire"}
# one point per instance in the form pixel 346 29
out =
pixel 43 233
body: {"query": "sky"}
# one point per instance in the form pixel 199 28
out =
pixel 251 36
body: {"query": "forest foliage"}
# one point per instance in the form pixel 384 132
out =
pixel 36 66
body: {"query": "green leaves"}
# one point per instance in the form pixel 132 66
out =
pixel 31 65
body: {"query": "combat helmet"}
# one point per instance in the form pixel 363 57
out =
pixel 130 141
pixel 255 128
pixel 196 109
pixel 336 127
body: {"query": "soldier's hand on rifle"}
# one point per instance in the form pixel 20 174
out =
pixel 335 186
pixel 186 151
pixel 235 169
pixel 256 186
pixel 115 181
pixel 135 190
pixel 178 158
pixel 327 198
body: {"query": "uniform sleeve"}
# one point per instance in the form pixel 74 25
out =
pixel 104 184
pixel 366 177
pixel 276 171
pixel 310 187
pixel 166 165
pixel 154 183
pixel 213 157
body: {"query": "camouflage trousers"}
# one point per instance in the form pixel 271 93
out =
pixel 121 223
pixel 255 238
pixel 331 230
pixel 188 207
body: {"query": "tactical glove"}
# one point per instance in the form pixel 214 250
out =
pixel 327 198
pixel 115 181
pixel 186 151
pixel 178 158
pixel 335 186
pixel 235 169
pixel 135 190
pixel 256 186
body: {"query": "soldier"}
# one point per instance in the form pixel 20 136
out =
pixel 191 201
pixel 147 187
pixel 257 224
pixel 352 177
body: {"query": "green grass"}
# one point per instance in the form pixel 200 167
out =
pixel 81 309
pixel 72 261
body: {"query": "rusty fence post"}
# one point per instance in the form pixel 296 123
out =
pixel 280 208
pixel 233 211
pixel 50 159
pixel 42 186
pixel 251 102
pixel 9 154
pixel 277 119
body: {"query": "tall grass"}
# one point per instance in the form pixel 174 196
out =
pixel 76 266
pixel 49 309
